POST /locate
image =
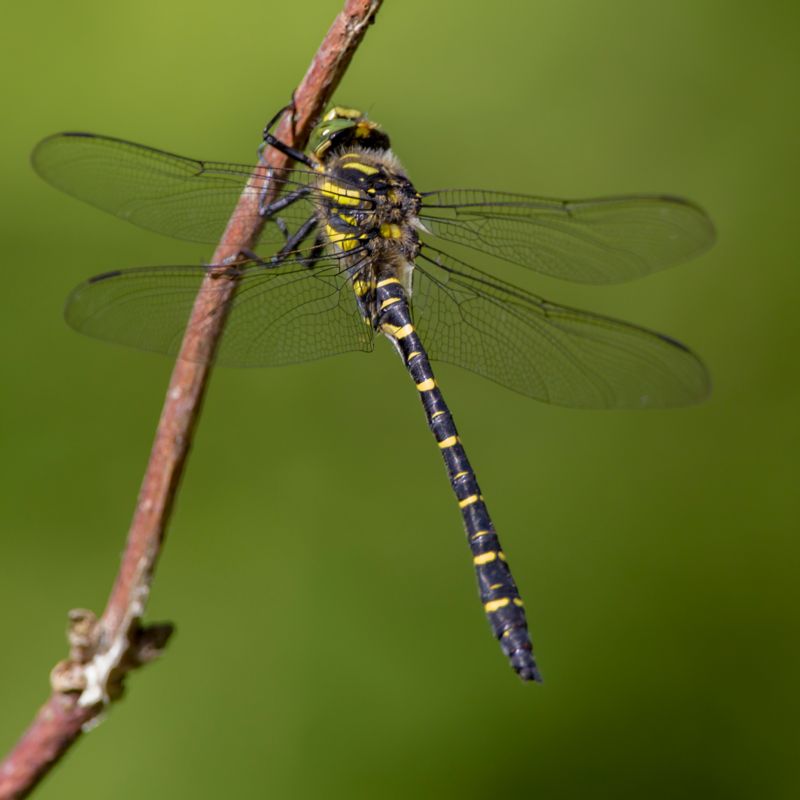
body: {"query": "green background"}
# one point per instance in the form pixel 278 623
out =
pixel 330 642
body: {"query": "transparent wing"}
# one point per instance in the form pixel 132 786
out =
pixel 553 353
pixel 278 316
pixel 591 241
pixel 163 192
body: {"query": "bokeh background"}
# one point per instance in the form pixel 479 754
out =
pixel 330 642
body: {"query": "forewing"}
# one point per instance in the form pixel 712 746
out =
pixel 608 240
pixel 550 352
pixel 163 192
pixel 278 316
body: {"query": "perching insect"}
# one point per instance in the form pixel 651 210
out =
pixel 351 249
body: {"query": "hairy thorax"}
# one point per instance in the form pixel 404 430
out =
pixel 368 210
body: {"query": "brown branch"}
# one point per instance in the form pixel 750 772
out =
pixel 103 651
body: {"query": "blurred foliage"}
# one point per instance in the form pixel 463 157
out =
pixel 330 643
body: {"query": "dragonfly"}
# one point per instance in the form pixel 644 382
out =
pixel 351 252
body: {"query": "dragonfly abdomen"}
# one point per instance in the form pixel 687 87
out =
pixel 498 591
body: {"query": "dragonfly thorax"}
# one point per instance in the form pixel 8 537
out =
pixel 368 210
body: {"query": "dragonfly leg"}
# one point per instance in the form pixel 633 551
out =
pixel 290 106
pixel 268 210
pixel 315 253
pixel 287 150
pixel 498 591
pixel 249 255
pixel 294 241
pixel 230 266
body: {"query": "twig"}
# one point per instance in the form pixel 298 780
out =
pixel 103 651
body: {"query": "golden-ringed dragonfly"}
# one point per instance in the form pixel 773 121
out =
pixel 351 249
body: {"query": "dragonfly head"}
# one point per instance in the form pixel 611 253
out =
pixel 343 128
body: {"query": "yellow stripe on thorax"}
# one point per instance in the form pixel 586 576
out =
pixel 344 240
pixel 365 168
pixel 343 195
pixel 389 230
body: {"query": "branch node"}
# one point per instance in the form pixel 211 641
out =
pixel 98 672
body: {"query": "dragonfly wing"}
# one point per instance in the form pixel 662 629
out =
pixel 180 197
pixel 278 316
pixel 549 352
pixel 608 240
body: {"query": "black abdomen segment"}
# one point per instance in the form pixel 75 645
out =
pixel 498 592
